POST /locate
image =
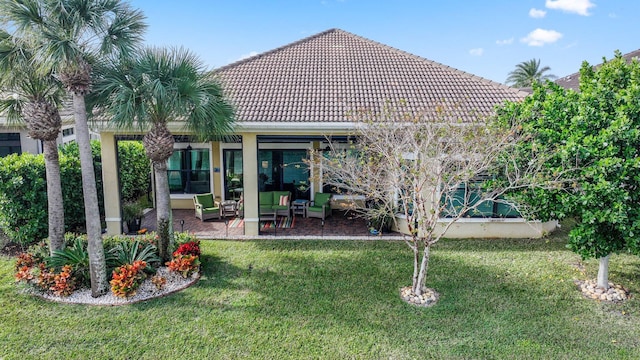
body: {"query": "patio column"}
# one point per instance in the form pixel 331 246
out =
pixel 110 184
pixel 250 176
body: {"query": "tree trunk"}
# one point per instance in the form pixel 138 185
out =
pixel 418 285
pixel 54 196
pixel 163 210
pixel 603 272
pixel 97 265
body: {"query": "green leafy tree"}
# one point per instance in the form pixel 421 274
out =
pixel 36 96
pixel 529 72
pixel 597 130
pixel 74 33
pixel 161 86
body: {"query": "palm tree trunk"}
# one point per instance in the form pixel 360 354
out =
pixel 54 195
pixel 97 264
pixel 163 210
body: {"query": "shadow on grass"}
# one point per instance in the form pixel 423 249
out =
pixel 312 287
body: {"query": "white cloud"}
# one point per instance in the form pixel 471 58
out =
pixel 539 37
pixel 505 41
pixel 580 7
pixel 252 53
pixel 537 14
pixel 476 51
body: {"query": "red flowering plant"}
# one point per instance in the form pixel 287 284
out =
pixel 188 248
pixel 127 278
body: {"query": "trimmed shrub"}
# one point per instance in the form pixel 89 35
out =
pixel 23 188
pixel 134 170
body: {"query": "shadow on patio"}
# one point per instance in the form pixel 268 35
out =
pixel 340 225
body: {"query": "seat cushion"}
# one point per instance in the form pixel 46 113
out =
pixel 322 199
pixel 206 200
pixel 266 198
pixel 277 195
pixel 315 208
pixel 280 207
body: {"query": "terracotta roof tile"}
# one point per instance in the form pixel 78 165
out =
pixel 322 77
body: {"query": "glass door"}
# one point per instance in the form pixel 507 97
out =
pixel 233 180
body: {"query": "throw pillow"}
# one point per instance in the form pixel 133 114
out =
pixel 284 200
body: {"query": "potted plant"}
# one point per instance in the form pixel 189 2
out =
pixel 380 223
pixel 132 213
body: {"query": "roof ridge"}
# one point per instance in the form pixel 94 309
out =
pixel 269 52
pixel 376 43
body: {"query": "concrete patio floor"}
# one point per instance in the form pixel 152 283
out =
pixel 339 226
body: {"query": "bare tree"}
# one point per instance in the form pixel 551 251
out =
pixel 432 169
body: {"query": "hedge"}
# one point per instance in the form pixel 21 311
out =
pixel 23 201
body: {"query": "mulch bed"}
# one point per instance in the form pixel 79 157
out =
pixel 11 249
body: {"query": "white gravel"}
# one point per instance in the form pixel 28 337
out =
pixel 146 291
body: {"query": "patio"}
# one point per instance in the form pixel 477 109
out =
pixel 339 226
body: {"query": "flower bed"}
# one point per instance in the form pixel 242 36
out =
pixel 133 263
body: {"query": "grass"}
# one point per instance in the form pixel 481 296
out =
pixel 339 300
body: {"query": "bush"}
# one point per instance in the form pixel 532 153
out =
pixel 128 252
pixel 189 248
pixel 77 257
pixel 23 198
pixel 186 265
pixel 127 278
pixel 23 188
pixel 134 170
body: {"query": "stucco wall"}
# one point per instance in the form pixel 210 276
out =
pixel 491 228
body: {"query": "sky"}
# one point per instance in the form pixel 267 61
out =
pixel 487 38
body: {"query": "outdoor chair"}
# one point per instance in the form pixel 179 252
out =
pixel 206 207
pixel 320 207
pixel 276 201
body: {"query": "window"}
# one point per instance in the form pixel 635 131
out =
pixel 10 144
pixel 189 171
pixel 471 194
pixel 67 132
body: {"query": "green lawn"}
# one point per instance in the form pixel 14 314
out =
pixel 339 300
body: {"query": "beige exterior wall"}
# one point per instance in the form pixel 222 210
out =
pixel 111 186
pixel 490 228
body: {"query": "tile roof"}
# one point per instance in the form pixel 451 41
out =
pixel 323 77
pixel 573 81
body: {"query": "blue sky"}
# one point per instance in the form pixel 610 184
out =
pixel 483 37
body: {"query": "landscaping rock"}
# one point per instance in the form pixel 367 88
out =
pixel 147 290
pixel 615 293
pixel 428 297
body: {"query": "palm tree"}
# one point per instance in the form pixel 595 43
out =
pixel 34 99
pixel 158 87
pixel 75 33
pixel 528 72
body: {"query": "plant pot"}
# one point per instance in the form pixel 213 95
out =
pixel 134 225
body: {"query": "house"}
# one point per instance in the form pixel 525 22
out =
pixel 14 138
pixel 288 101
pixel 573 81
